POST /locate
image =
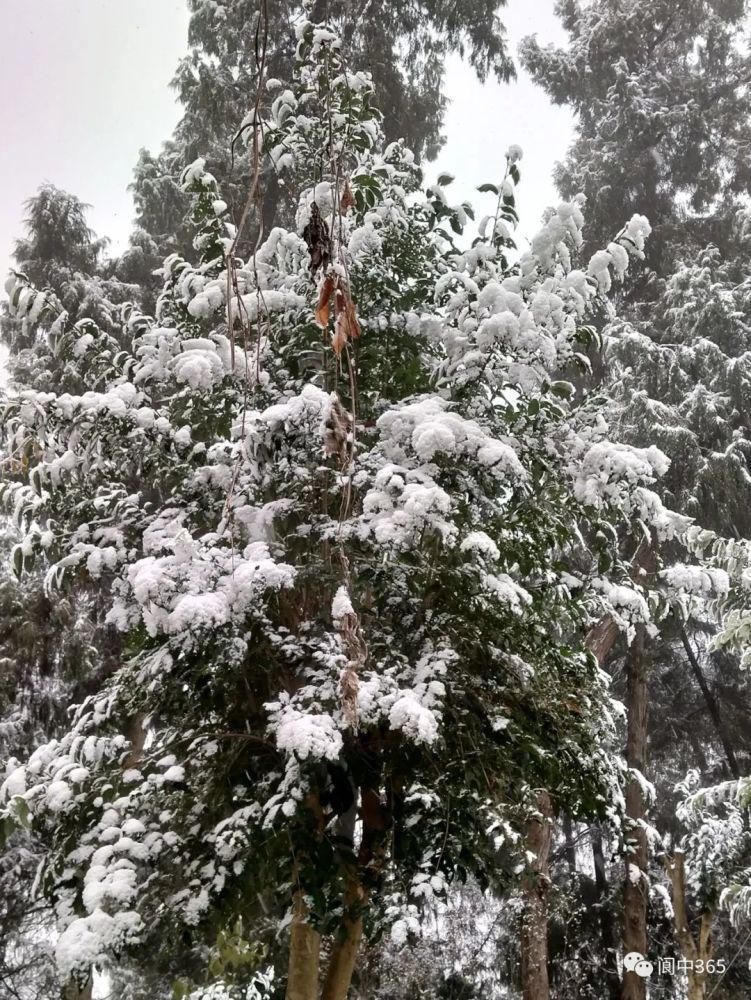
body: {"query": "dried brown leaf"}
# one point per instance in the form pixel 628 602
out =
pixel 318 240
pixel 339 336
pixel 347 199
pixel 324 298
pixel 349 686
pixel 336 431
pixel 347 327
pixel 353 326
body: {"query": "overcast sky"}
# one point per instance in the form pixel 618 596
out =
pixel 85 84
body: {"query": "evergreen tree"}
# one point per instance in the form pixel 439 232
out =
pixel 61 256
pixel 355 529
pixel 54 650
pixel 403 46
pixel 661 95
pixel 47 658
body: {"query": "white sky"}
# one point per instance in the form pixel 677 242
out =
pixel 84 84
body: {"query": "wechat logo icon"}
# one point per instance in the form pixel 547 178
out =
pixel 635 962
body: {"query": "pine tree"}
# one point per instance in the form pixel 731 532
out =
pixel 642 78
pixel 661 95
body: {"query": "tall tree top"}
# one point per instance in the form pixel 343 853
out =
pixel 661 92
pixel 404 52
pixel 57 236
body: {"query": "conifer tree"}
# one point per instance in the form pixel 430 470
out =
pixel 54 650
pixel 661 94
pixel 661 97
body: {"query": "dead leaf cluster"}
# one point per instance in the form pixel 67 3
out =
pixel 346 324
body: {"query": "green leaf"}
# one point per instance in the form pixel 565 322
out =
pixel 445 179
pixel 20 809
pixel 562 388
pixel 7 827
pixel 364 181
pixel 489 189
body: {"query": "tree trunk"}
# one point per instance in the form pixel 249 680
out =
pixel 304 953
pixel 304 941
pixel 696 989
pixel 534 935
pixel 608 930
pixel 601 638
pixel 635 893
pixel 712 707
pixel 569 845
pixel 347 946
pixel 72 990
pixel 691 950
pixel 136 734
pixel 360 876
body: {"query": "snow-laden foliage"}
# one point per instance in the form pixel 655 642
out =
pixel 728 561
pixel 354 526
pixel 406 50
pixel 686 387
pixel 717 845
pixel 660 92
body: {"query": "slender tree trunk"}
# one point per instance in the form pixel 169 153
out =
pixel 270 201
pixel 534 931
pixel 635 893
pixel 360 876
pixel 346 947
pixel 696 986
pixel 600 641
pixel 691 949
pixel 608 929
pixel 570 846
pixel 712 707
pixel 304 953
pixel 305 941
pixel 137 738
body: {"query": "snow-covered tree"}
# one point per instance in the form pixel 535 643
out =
pixel 642 78
pixel 63 258
pixel 53 651
pixel 354 529
pixel 47 661
pixel 661 95
pixel 687 390
pixel 404 50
